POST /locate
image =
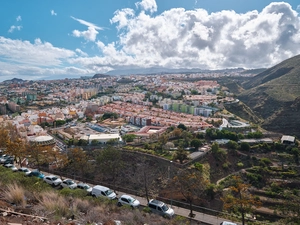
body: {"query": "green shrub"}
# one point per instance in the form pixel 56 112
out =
pixel 240 164
pixel 226 165
pixel 73 193
pixel 147 210
pixel 198 166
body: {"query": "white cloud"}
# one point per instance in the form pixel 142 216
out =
pixel 23 57
pixel 298 7
pixel 13 28
pixel 19 18
pixel 88 24
pixel 147 5
pixel 53 13
pixel 80 52
pixel 180 38
pixel 90 34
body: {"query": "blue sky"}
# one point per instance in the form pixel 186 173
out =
pixel 72 38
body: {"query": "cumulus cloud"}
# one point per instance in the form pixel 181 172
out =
pixel 13 28
pixel 180 38
pixel 37 53
pixel 90 34
pixel 36 60
pixel 19 18
pixel 53 13
pixel 147 5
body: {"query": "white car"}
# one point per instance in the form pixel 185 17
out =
pixel 128 200
pixel 85 186
pixel 12 167
pixel 103 191
pixel 24 170
pixel 68 183
pixel 52 180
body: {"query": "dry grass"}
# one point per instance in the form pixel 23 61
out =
pixel 82 205
pixel 14 193
pixel 52 203
pixel 96 214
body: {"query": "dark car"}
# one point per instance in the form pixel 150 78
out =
pixel 36 173
pixel 8 160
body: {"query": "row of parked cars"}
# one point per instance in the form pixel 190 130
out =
pixel 154 205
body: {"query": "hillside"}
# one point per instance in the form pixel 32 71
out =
pixel 281 81
pixel 274 96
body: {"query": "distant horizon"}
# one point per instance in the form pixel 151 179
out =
pixel 73 39
pixel 59 77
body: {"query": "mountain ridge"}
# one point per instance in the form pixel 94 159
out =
pixel 274 95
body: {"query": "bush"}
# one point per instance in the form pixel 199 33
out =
pixel 226 165
pixel 14 193
pixel 240 164
pixel 198 166
pixel 147 210
pixel 54 203
pixel 73 193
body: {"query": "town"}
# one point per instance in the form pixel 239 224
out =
pixel 175 123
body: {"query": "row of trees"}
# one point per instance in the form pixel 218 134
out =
pixel 213 133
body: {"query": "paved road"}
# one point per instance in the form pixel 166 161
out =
pixel 200 218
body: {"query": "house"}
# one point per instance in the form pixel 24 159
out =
pixel 286 139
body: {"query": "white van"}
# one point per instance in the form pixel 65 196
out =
pixel 99 190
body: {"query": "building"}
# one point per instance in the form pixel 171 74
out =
pixel 42 140
pixel 285 139
pixel 101 138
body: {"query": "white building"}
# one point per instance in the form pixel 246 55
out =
pixel 102 138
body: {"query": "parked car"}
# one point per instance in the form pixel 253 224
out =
pixel 160 208
pixel 99 190
pixel 7 159
pixel 11 166
pixel 128 200
pixel 52 180
pixel 68 183
pixel 36 173
pixel 227 223
pixel 24 170
pixel 85 186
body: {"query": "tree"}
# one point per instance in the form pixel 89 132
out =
pixel 110 162
pixel 182 126
pixel 58 159
pixel 215 148
pixel 38 154
pixel 143 175
pixel 128 137
pixel 239 199
pixel 17 149
pixel 60 122
pixel 78 160
pixel 245 146
pixel 180 155
pixel 4 136
pixel 232 145
pixel 192 185
pixel 177 132
pixel 196 143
